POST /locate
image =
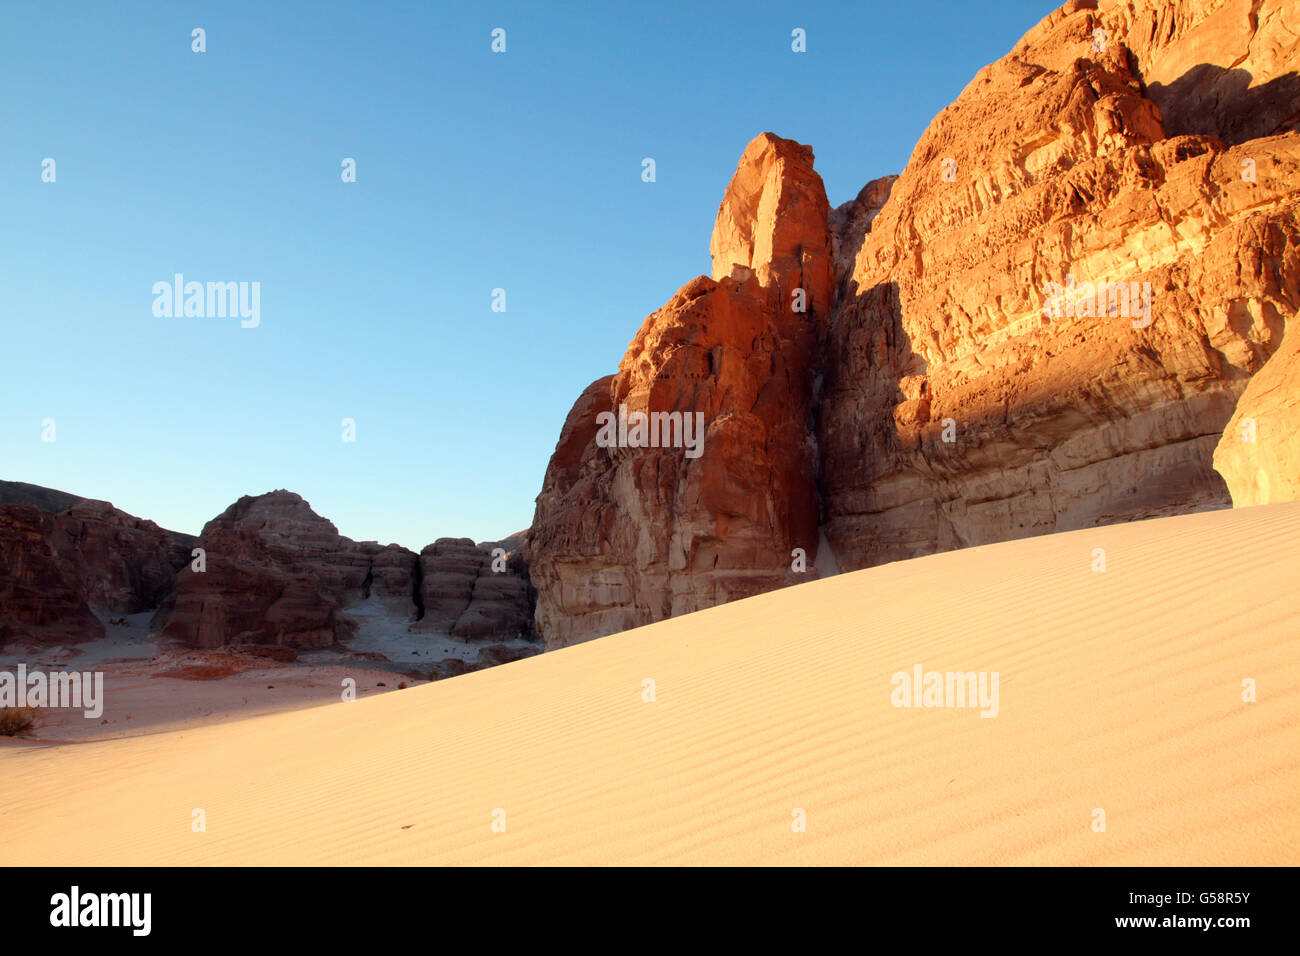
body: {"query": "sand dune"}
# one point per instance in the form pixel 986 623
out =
pixel 1119 690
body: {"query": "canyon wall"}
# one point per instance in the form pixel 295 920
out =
pixel 958 410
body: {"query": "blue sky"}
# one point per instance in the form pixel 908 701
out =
pixel 475 171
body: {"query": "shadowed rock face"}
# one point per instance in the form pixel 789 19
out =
pixel 278 573
pixel 65 557
pixel 39 600
pixel 465 597
pixel 126 564
pixel 966 379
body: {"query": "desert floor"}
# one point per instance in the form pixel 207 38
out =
pixel 1119 691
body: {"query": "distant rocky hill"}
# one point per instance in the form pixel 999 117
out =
pixel 62 558
pixel 34 496
pixel 273 572
pixel 277 572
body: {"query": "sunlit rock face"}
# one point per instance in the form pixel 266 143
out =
pixel 1043 323
pixel 1259 453
pixel 626 535
pixel 960 407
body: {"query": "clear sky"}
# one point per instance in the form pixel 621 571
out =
pixel 474 170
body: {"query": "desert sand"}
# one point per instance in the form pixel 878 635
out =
pixel 1119 690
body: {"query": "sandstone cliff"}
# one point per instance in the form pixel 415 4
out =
pixel 1043 323
pixel 956 411
pixel 1259 453
pixel 624 535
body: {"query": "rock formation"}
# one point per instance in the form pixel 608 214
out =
pixel 1043 323
pixel 274 572
pixel 126 564
pixel 464 595
pixel 65 558
pixel 624 535
pixel 278 573
pixel 958 409
pixel 772 222
pixel 1259 454
pixel 39 600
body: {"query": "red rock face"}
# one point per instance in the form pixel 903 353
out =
pixel 40 600
pixel 968 378
pixel 627 535
pixel 772 222
pixel 68 557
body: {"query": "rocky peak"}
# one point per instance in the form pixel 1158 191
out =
pixel 278 517
pixel 773 221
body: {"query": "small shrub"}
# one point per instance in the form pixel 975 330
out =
pixel 18 721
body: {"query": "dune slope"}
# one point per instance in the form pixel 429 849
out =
pixel 1118 690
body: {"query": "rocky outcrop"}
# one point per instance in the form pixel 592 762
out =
pixel 40 601
pixel 124 564
pixel 1223 68
pixel 273 572
pixel 68 557
pixel 278 573
pixel 627 531
pixel 1043 323
pixel 772 222
pixel 1259 453
pixel 468 593
pixel 960 406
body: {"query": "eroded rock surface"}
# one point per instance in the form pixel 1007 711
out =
pixel 627 535
pixel 1259 453
pixel 66 558
pixel 1043 323
pixel 278 573
pixel 1051 167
